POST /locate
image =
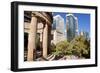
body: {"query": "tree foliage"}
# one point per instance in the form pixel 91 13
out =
pixel 61 47
pixel 79 46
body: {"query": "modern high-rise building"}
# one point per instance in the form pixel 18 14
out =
pixel 71 26
pixel 58 23
pixel 58 29
pixel 85 34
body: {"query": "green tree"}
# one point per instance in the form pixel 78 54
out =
pixel 80 46
pixel 60 48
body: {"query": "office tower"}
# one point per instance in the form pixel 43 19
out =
pixel 71 26
pixel 85 34
pixel 58 29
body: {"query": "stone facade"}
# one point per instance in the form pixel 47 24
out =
pixel 37 22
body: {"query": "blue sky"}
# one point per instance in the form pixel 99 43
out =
pixel 83 20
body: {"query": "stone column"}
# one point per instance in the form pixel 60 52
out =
pixel 32 39
pixel 49 39
pixel 45 41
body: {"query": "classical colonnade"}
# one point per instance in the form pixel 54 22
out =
pixel 45 18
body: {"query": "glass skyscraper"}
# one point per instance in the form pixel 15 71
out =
pixel 58 23
pixel 85 34
pixel 71 26
pixel 58 29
